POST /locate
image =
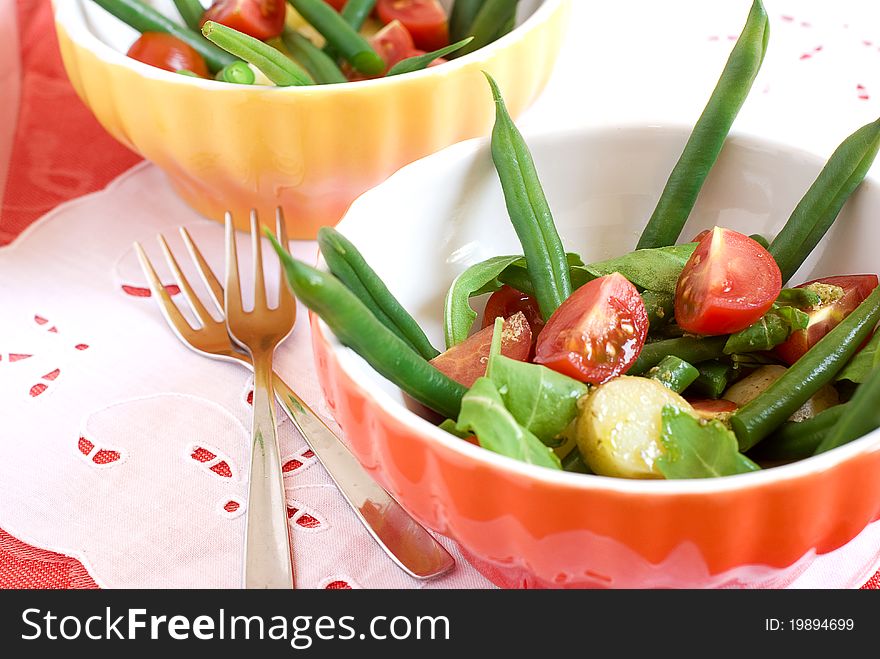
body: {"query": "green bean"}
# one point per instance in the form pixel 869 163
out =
pixel 144 18
pixel 350 267
pixel 816 368
pixel 274 64
pixel 342 36
pixel 546 261
pixel 820 206
pixel 796 440
pixel 492 15
pixel 314 60
pixel 237 72
pixel 355 13
pixel 674 373
pixel 462 17
pixel 863 415
pixel 691 349
pixel 355 326
pixel 712 379
pixel 419 62
pixel 191 12
pixel 709 133
pixel 187 72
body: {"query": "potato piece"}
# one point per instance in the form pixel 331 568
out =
pixel 823 399
pixel 754 384
pixel 618 426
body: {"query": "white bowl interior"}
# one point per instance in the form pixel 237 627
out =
pixel 436 217
pixel 120 36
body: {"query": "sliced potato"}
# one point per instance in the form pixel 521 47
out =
pixel 754 384
pixel 619 423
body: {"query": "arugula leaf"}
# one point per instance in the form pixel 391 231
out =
pixel 859 367
pixel 483 413
pixel 695 449
pixel 656 269
pixel 449 426
pixel 773 328
pixel 482 277
pixel 419 62
pixel 542 401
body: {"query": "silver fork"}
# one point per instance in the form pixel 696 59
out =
pixel 405 541
pixel 268 562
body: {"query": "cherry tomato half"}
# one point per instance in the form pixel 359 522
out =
pixel 824 319
pixel 261 19
pixel 597 333
pixel 506 301
pixel 467 361
pixel 167 52
pixel 712 407
pixel 393 43
pixel 425 19
pixel 726 285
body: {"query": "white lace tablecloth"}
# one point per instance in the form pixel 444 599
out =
pixel 121 448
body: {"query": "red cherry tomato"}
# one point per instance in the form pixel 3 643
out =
pixel 597 333
pixel 701 235
pixel 467 361
pixel 719 406
pixel 726 285
pixel 824 319
pixel 261 19
pixel 506 301
pixel 337 4
pixel 167 52
pixel 393 43
pixel 425 19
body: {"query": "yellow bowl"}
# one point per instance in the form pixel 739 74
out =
pixel 310 150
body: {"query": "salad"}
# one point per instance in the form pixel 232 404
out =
pixel 337 41
pixel 676 360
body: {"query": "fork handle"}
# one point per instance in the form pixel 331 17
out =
pixel 406 541
pixel 267 561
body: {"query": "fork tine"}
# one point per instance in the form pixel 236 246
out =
pixel 232 297
pixel 169 309
pixel 194 302
pixel 285 297
pixel 259 278
pixel 214 286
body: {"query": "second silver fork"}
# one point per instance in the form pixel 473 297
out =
pixel 268 562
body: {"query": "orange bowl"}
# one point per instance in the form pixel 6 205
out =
pixel 527 526
pixel 311 150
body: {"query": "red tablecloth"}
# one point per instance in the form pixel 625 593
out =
pixel 59 152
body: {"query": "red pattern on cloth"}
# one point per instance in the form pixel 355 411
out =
pixel 52 162
pixel 23 566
